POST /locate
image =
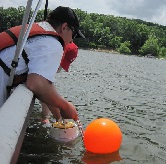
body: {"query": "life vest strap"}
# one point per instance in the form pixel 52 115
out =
pixel 25 57
pixel 15 39
pixel 12 35
pixel 6 69
pixel 18 79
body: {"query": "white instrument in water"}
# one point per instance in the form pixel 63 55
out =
pixel 64 131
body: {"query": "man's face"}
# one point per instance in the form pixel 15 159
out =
pixel 66 33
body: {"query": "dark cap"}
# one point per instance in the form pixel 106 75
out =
pixel 66 14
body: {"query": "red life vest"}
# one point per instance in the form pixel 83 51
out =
pixel 10 37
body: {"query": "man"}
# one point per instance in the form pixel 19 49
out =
pixel 70 54
pixel 44 54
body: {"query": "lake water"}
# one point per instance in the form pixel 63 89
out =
pixel 129 90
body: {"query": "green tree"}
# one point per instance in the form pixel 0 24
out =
pixel 124 47
pixel 150 47
pixel 104 31
pixel 162 52
pixel 115 42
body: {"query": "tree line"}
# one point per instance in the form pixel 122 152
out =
pixel 130 36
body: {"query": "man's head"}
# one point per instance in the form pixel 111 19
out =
pixel 70 54
pixel 69 23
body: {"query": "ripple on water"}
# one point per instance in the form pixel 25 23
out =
pixel 127 89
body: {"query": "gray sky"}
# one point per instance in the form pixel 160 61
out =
pixel 147 10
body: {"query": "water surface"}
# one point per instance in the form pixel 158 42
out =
pixel 129 90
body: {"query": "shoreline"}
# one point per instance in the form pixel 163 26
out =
pixel 116 52
pixel 101 50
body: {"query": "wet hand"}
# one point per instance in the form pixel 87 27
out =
pixel 56 113
pixel 70 112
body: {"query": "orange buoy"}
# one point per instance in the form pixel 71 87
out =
pixel 102 136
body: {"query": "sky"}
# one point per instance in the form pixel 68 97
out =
pixel 147 10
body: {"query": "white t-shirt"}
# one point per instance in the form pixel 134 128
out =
pixel 44 53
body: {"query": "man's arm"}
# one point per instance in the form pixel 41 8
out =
pixel 46 92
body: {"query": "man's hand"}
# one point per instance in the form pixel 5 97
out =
pixel 70 112
pixel 55 112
